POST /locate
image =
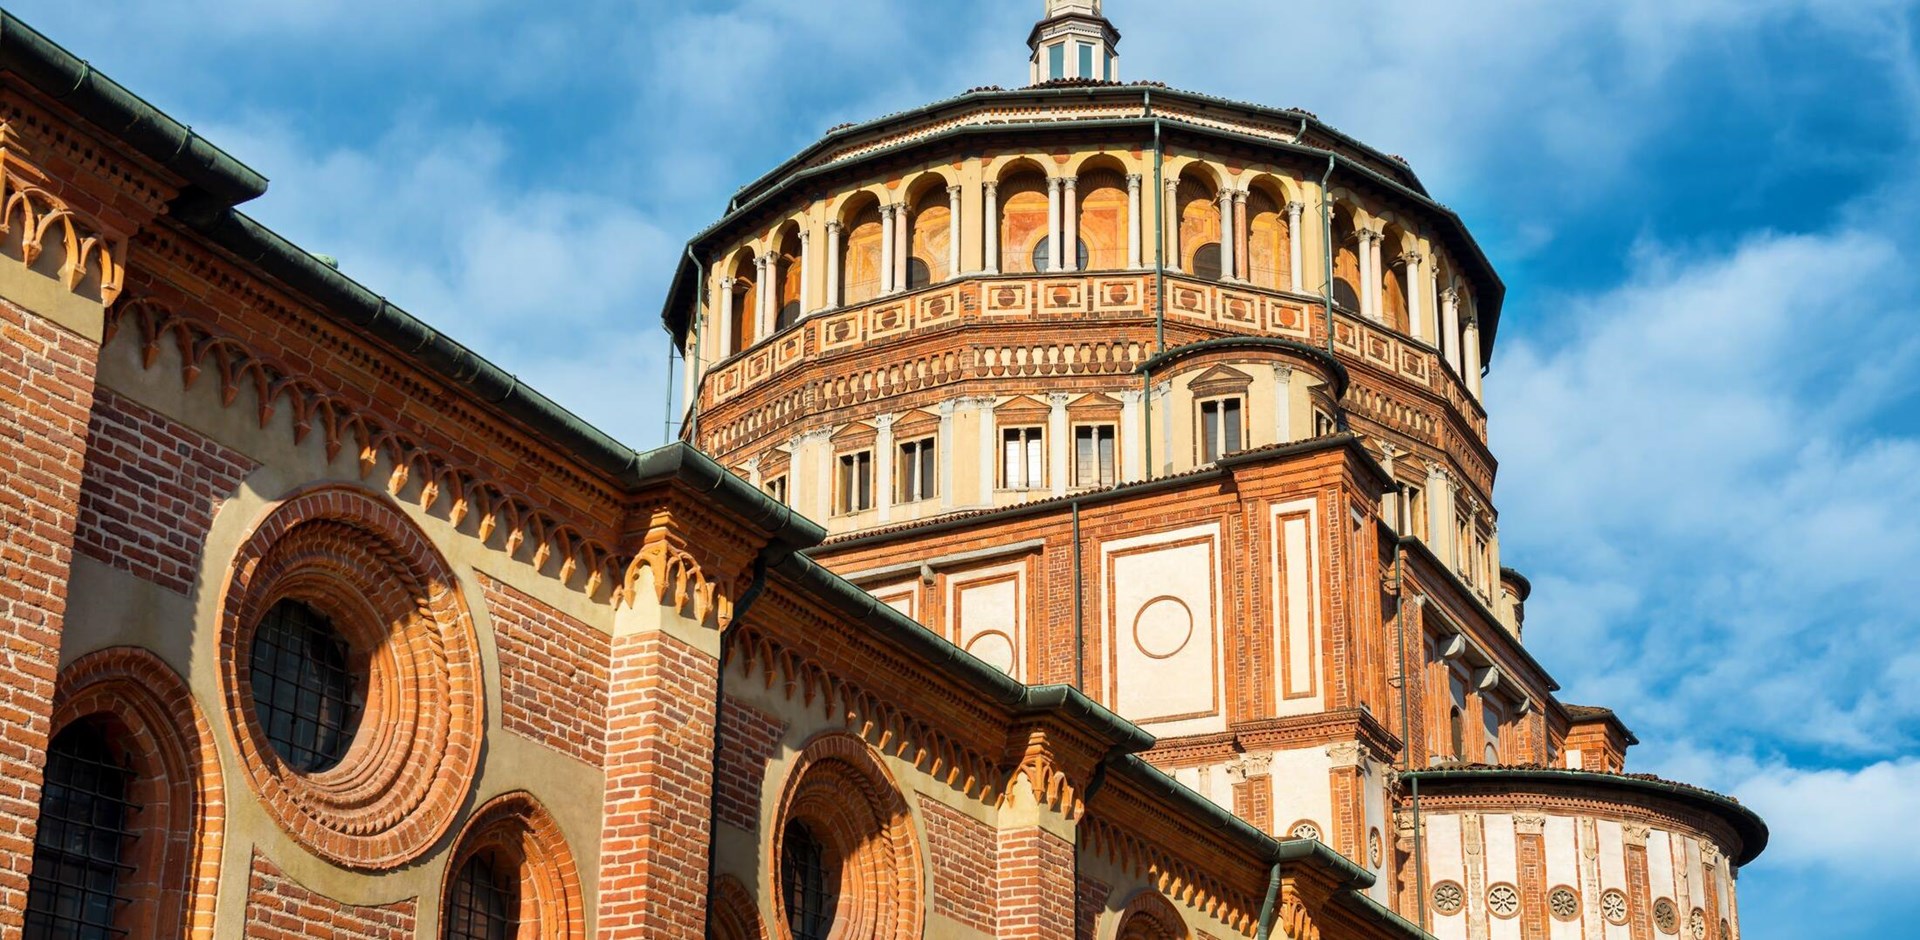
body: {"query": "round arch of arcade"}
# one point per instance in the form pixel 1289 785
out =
pixel 514 834
pixel 354 559
pixel 156 733
pixel 1150 916
pixel 845 798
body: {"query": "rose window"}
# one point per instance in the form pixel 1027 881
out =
pixel 1447 897
pixel 1613 906
pixel 1564 903
pixel 1665 916
pixel 1503 900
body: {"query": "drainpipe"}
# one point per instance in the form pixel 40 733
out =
pixel 693 331
pixel 1419 858
pixel 740 608
pixel 1267 907
pixel 1079 619
pixel 666 425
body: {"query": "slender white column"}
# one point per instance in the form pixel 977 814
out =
pixel 1133 221
pixel 1228 237
pixel 883 466
pixel 953 231
pixel 990 228
pixel 1440 526
pixel 1070 209
pixel 833 266
pixel 886 249
pixel 689 379
pixel 1242 252
pixel 1414 311
pixel 944 452
pixel 1053 223
pixel 1296 254
pixel 1171 206
pixel 989 449
pixel 1450 328
pixel 1470 351
pixel 1379 275
pixel 903 249
pixel 1282 403
pixel 723 314
pixel 1058 443
pixel 763 273
pixel 806 273
pixel 1370 274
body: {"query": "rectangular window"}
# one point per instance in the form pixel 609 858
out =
pixel 916 477
pixel 1221 427
pixel 1093 455
pixel 1057 60
pixel 1416 518
pixel 1086 61
pixel 777 488
pixel 1023 458
pixel 855 483
pixel 1109 63
pixel 1492 719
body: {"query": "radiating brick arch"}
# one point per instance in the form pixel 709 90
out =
pixel 523 836
pixel 156 727
pixel 1150 916
pixel 842 793
pixel 732 912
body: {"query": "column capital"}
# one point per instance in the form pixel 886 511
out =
pixel 884 422
pixel 1296 207
pixel 833 226
pixel 1240 195
pixel 1054 182
pixel 1059 399
pixel 954 191
pixel 991 186
pixel 806 235
pixel 1412 259
pixel 1071 182
pixel 1450 295
pixel 1133 179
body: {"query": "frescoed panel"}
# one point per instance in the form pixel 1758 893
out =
pixel 986 616
pixel 1163 622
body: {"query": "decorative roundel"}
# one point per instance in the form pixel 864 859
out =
pixel 1613 906
pixel 1503 900
pixel 1666 916
pixel 1448 897
pixel 1564 903
pixel 1376 848
pixel 1697 924
pixel 1305 829
pixel 1163 627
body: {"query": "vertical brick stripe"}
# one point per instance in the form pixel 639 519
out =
pixel 46 392
pixel 1530 851
pixel 280 909
pixel 1639 891
pixel 553 673
pixel 1034 885
pixel 1089 900
pixel 962 851
pixel 748 737
pixel 151 488
pixel 655 835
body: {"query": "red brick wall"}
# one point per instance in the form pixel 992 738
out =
pixel 46 390
pixel 1089 899
pixel 151 488
pixel 1530 850
pixel 1035 885
pixel 280 909
pixel 962 849
pixel 748 738
pixel 655 838
pixel 1253 801
pixel 553 673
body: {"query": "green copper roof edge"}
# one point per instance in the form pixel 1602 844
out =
pixel 1746 823
pixel 74 83
pixel 673 313
pixel 1217 344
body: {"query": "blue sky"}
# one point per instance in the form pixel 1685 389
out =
pixel 1704 209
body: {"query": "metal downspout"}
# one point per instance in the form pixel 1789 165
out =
pixel 693 330
pixel 1419 858
pixel 1267 907
pixel 740 608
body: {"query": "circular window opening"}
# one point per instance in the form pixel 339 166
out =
pixel 810 880
pixel 1206 262
pixel 1043 252
pixel 306 688
pixel 486 895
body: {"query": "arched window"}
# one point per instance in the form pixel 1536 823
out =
pixel 918 274
pixel 1206 262
pixel 75 889
pixel 1103 220
pixel 1023 222
pixel 1199 214
pixel 932 238
pixel 787 286
pixel 1042 251
pixel 1269 261
pixel 484 901
pixel 1346 263
pixel 745 297
pixel 860 261
pixel 1393 281
pixel 809 882
pixel 305 688
pixel 1457 732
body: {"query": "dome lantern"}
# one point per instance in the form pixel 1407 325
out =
pixel 1074 40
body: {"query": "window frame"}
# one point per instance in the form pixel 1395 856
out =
pixel 1111 464
pixel 1202 425
pixel 853 471
pixel 1033 441
pixel 917 460
pixel 777 486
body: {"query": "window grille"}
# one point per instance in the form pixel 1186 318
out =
pixel 809 882
pixel 74 891
pixel 483 904
pixel 304 689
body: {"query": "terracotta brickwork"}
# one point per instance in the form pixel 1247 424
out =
pixel 1089 899
pixel 553 673
pixel 1530 858
pixel 659 761
pixel 1253 801
pixel 1034 884
pixel 46 392
pixel 151 489
pixel 278 908
pixel 962 850
pixel 749 738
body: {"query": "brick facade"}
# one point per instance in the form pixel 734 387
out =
pixel 553 673
pixel 46 392
pixel 1034 885
pixel 278 908
pixel 748 740
pixel 963 853
pixel 151 488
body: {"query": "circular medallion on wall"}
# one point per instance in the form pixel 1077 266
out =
pixel 995 649
pixel 1666 916
pixel 1613 906
pixel 1697 924
pixel 1305 829
pixel 1564 903
pixel 1503 900
pixel 351 678
pixel 1448 897
pixel 1376 847
pixel 1163 627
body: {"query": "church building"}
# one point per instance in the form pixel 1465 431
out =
pixel 1082 527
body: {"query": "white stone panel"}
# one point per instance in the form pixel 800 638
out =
pixel 1301 789
pixel 1295 602
pixel 1446 862
pixel 1613 871
pixel 1562 840
pixel 1502 865
pixel 1164 656
pixel 1660 871
pixel 986 613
